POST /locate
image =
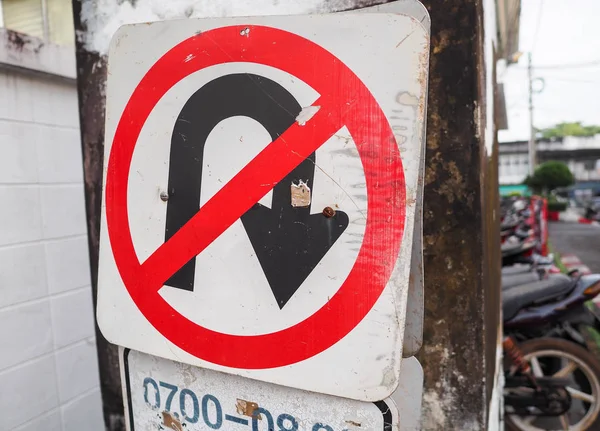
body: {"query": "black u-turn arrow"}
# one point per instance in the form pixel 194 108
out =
pixel 288 241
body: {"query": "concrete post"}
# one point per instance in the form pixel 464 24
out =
pixel 460 228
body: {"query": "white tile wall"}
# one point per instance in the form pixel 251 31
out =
pixel 28 391
pixel 63 210
pixel 22 273
pixel 48 361
pixel 50 421
pixel 18 154
pixel 55 103
pixel 77 369
pixel 83 413
pixel 25 332
pixel 17 97
pixel 20 217
pixel 67 264
pixel 56 149
pixel 72 316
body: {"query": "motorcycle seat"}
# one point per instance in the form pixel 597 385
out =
pixel 514 280
pixel 519 297
pixel 511 224
pixel 516 269
pixel 521 233
pixel 512 248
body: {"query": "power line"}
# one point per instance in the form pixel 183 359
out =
pixel 521 104
pixel 579 81
pixel 569 66
pixel 560 66
pixel 537 26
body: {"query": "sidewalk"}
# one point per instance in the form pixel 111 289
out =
pixel 571 261
pixel 573 215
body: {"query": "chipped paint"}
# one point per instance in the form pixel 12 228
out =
pixel 300 194
pixel 171 422
pixel 246 408
pixel 306 114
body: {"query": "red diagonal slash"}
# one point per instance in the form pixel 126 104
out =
pixel 344 101
pixel 244 190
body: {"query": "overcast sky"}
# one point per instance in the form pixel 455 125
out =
pixel 568 33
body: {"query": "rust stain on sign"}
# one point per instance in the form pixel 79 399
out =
pixel 247 408
pixel 171 422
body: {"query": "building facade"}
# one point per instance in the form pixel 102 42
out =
pixel 581 154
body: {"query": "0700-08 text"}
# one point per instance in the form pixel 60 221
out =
pixel 208 411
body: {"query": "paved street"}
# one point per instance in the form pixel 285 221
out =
pixel 579 239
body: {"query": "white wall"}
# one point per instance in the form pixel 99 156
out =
pixel 48 363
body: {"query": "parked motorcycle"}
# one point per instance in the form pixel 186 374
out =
pixel 552 375
pixel 520 233
pixel 592 209
pixel 552 380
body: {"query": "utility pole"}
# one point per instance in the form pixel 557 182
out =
pixel 532 155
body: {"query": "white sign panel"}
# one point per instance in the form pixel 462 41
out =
pixel 409 395
pixel 163 394
pixel 409 112
pixel 260 194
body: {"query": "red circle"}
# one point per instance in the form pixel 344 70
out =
pixel 385 185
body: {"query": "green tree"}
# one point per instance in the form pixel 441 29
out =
pixel 569 129
pixel 548 176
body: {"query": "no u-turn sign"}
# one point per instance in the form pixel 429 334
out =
pixel 259 199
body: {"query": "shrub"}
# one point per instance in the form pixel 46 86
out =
pixel 549 176
pixel 557 206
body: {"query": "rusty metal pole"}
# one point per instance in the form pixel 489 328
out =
pixel 91 75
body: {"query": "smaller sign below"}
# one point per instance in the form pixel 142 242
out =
pixel 409 394
pixel 163 394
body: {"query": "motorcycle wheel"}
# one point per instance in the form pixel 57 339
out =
pixel 576 364
pixel 590 214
